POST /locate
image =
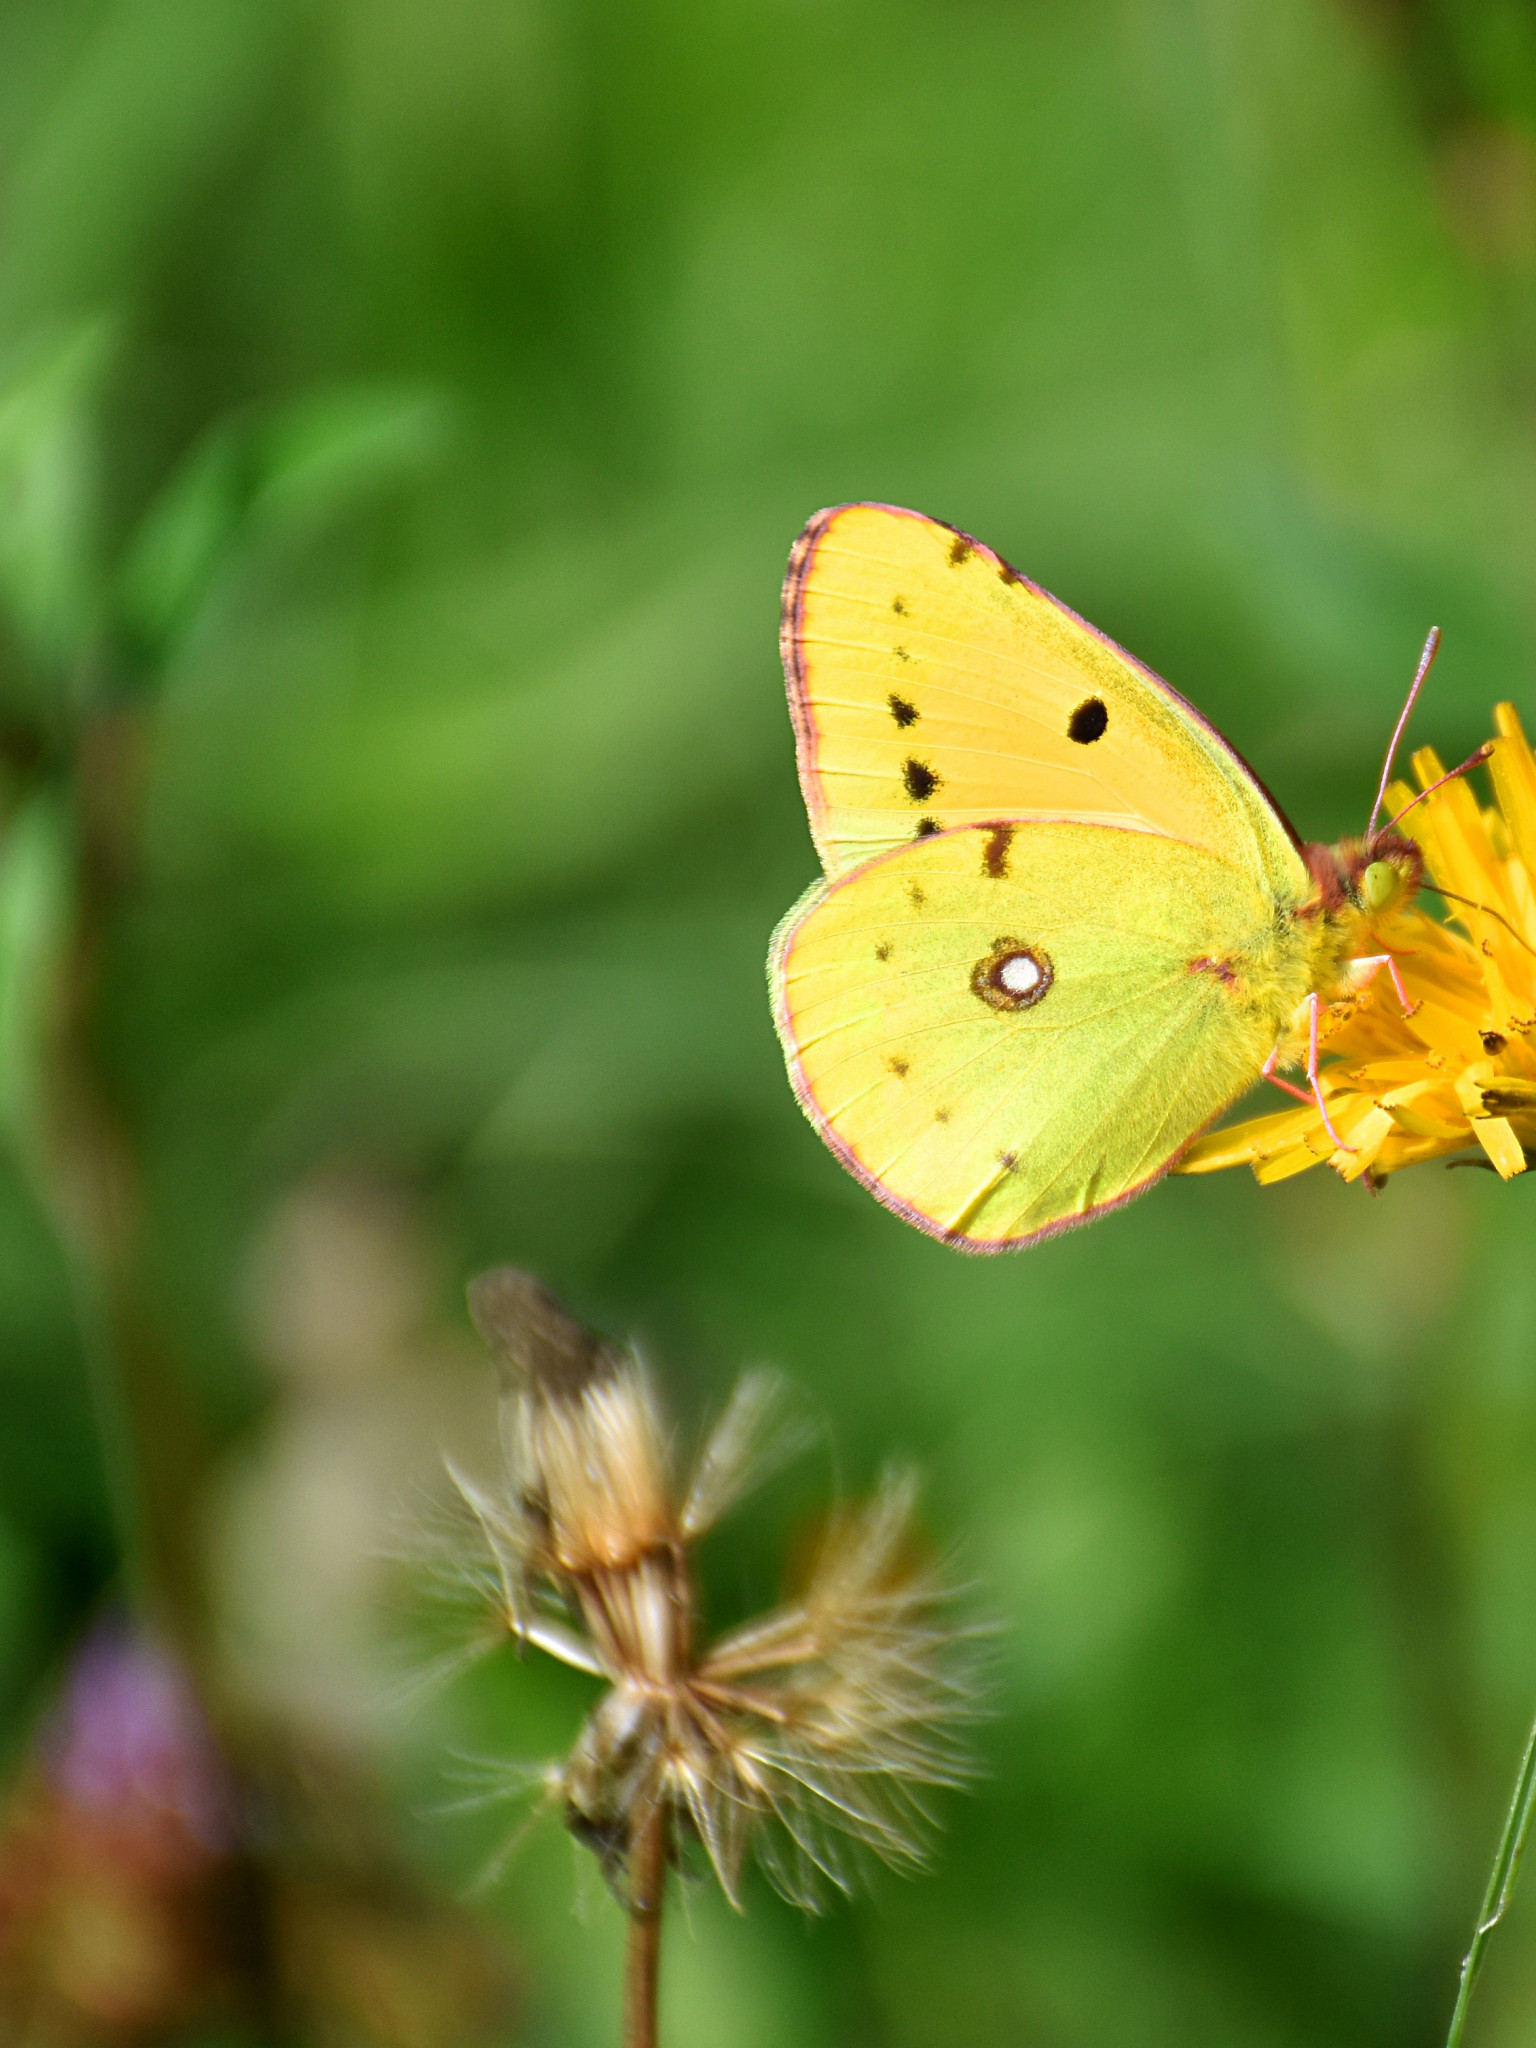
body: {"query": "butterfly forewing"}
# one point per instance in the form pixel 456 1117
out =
pixel 1005 1029
pixel 932 686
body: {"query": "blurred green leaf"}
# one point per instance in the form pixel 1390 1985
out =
pixel 184 538
pixel 330 450
pixel 276 476
pixel 49 490
pixel 35 865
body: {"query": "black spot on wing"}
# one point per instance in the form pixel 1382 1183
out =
pixel 901 654
pixel 1008 574
pixel 915 896
pixel 899 607
pixel 904 712
pixel 918 779
pixel 1088 722
pixel 961 548
pixel 898 1066
pixel 994 855
pixel 883 950
pixel 942 1116
pixel 926 827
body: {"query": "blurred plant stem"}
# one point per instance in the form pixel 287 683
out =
pixel 642 1961
pixel 86 629
pixel 1501 1885
pixel 80 1151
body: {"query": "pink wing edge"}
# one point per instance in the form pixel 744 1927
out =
pixel 838 1146
pixel 791 613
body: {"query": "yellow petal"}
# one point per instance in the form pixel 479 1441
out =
pixel 1408 1075
pixel 1421 1126
pixel 1399 797
pixel 1298 1159
pixel 1498 1140
pixel 1240 1144
pixel 1470 1083
pixel 1428 1108
pixel 1513 772
pixel 1449 827
pixel 1365 1137
pixel 1400 1151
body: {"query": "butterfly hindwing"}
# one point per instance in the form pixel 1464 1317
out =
pixel 1001 1037
pixel 933 686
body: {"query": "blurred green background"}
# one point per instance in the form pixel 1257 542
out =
pixel 407 410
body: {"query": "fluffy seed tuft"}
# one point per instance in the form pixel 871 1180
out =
pixel 811 1734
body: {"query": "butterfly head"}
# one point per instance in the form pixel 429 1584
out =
pixel 1373 876
pixel 1390 875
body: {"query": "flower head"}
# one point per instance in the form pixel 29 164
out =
pixel 1456 1068
pixel 114 1839
pixel 809 1733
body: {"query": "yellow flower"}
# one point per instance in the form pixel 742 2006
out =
pixel 1458 1069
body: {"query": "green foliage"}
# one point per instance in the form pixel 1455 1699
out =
pixel 471 368
pixel 35 880
pixel 48 498
pixel 278 476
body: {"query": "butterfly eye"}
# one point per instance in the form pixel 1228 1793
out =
pixel 1380 884
pixel 1013 976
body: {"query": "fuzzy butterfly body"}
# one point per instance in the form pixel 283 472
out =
pixel 1062 926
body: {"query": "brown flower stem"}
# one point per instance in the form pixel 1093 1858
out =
pixel 80 1150
pixel 642 1961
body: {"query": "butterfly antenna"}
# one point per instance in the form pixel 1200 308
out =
pixel 1488 911
pixel 1474 760
pixel 1431 649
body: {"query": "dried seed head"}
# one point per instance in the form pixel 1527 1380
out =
pixel 535 1342
pixel 809 1732
pixel 583 1442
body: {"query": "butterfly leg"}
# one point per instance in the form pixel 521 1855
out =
pixel 1269 1074
pixel 1312 1096
pixel 1314 1011
pixel 1375 960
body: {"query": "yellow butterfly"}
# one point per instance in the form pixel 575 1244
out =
pixel 1062 924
